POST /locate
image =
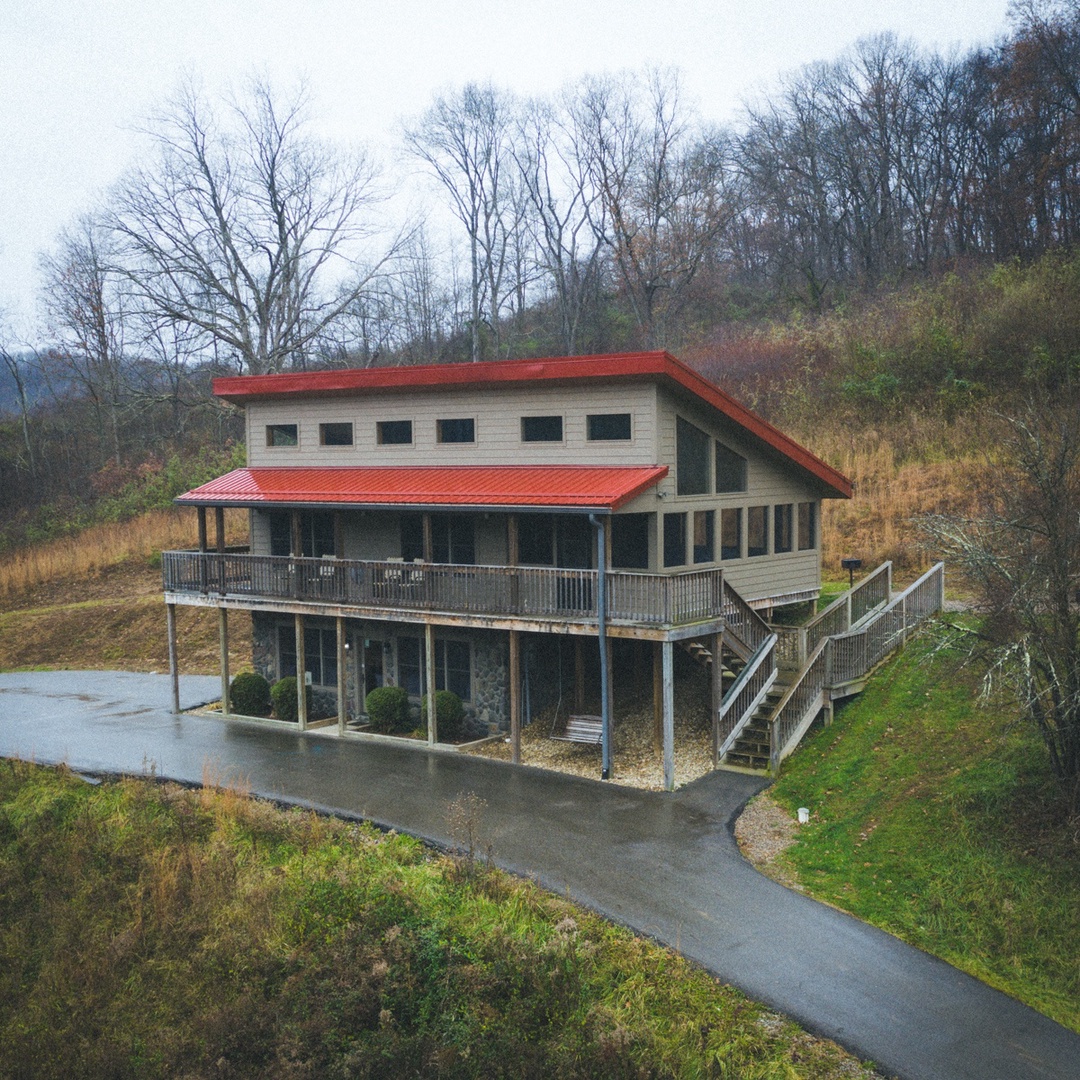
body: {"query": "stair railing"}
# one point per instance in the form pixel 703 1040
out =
pixel 846 612
pixel 745 694
pixel 802 701
pixel 742 622
pixel 849 657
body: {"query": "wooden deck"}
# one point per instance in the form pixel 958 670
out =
pixel 527 593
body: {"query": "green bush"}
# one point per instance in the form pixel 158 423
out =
pixel 388 709
pixel 449 715
pixel 249 694
pixel 283 695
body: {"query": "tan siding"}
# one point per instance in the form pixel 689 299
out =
pixel 498 427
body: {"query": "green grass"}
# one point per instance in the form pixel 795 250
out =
pixel 146 931
pixel 937 819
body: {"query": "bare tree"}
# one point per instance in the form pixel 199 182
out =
pixel 465 138
pixel 86 304
pixel 15 364
pixel 567 218
pixel 246 230
pixel 1023 558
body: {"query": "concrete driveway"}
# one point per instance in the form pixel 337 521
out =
pixel 664 864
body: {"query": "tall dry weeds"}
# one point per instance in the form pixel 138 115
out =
pixel 102 546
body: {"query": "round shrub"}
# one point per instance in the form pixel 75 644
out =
pixel 449 715
pixel 249 694
pixel 388 709
pixel 283 695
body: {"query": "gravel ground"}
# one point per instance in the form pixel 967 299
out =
pixel 637 760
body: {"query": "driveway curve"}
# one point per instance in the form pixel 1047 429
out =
pixel 665 865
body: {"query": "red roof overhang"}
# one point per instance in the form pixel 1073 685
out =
pixel 517 487
pixel 656 366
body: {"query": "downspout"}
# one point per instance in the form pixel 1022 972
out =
pixel 601 618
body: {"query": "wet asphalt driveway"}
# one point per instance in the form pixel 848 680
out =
pixel 663 864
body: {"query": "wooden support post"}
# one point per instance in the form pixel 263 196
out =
pixel 579 675
pixel 223 645
pixel 717 673
pixel 512 541
pixel 669 715
pixel 658 694
pixel 429 544
pixel 301 674
pixel 342 678
pixel 204 577
pixel 219 528
pixel 296 536
pixel 174 662
pixel 515 696
pixel 429 678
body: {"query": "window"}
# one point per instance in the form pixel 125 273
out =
pixel 335 434
pixel 691 459
pixel 674 539
pixel 630 541
pixel 703 536
pixel 456 431
pixel 453 539
pixel 757 530
pixel 608 427
pixel 316 533
pixel 453 666
pixel 536 540
pixel 731 533
pixel 782 527
pixel 282 435
pixel 393 432
pixel 730 470
pixel 807 526
pixel 541 429
pixel 412 537
pixel 320 653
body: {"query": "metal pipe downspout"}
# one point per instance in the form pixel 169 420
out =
pixel 601 618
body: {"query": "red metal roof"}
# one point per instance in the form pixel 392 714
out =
pixel 512 486
pixel 655 366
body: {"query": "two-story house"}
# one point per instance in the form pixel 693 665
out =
pixel 477 526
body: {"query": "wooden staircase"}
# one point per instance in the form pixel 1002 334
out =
pixel 752 749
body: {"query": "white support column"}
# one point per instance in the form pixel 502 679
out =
pixel 342 678
pixel 223 648
pixel 301 674
pixel 429 679
pixel 174 662
pixel 669 716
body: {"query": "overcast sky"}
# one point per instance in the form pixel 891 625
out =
pixel 79 75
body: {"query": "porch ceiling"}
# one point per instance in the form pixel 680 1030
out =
pixel 475 487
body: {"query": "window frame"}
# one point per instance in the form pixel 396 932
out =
pixel 783 528
pixel 722 470
pixel 534 419
pixel 273 430
pixel 677 519
pixel 693 470
pixel 726 515
pixel 593 420
pixel 807 525
pixel 380 433
pixel 340 425
pixel 440 433
pixel 754 551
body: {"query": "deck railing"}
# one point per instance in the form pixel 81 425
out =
pixel 536 592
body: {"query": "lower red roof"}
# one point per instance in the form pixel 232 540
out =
pixel 521 486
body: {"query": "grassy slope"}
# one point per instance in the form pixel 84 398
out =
pixel 112 619
pixel 150 931
pixel 936 819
